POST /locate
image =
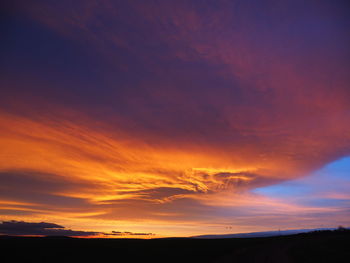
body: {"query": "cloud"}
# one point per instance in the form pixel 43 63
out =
pixel 155 111
pixel 20 228
pixel 37 187
pixel 118 233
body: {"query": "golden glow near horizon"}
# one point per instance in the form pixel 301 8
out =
pixel 123 182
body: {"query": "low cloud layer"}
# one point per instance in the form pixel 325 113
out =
pixel 117 233
pixel 20 228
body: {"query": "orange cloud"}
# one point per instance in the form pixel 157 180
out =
pixel 80 172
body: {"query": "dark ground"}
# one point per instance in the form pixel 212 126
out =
pixel 325 246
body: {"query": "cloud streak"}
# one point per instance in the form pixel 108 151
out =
pixel 21 228
pixel 17 228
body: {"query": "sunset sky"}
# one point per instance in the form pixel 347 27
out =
pixel 175 118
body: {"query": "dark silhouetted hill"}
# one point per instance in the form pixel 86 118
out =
pixel 319 246
pixel 264 234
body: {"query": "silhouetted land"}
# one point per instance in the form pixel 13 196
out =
pixel 323 246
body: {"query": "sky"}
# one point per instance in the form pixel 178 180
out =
pixel 173 118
